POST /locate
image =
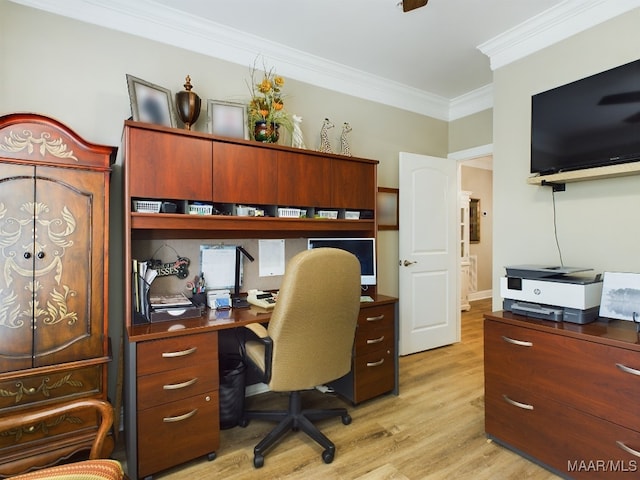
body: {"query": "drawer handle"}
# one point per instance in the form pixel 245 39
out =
pixel 375 319
pixel 180 418
pixel 178 386
pixel 375 340
pixel 522 343
pixel 375 364
pixel 626 369
pixel 182 353
pixel 524 406
pixel 628 449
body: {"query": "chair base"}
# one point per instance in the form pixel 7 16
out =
pixel 295 418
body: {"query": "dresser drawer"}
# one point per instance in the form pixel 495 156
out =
pixel 177 432
pixel 178 352
pixel 51 387
pixel 166 387
pixel 574 443
pixel 373 374
pixel 596 378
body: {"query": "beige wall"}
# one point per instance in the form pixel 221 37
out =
pixel 597 221
pixel 479 182
pixel 471 131
pixel 75 72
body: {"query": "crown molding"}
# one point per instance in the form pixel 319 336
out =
pixel 147 19
pixel 552 26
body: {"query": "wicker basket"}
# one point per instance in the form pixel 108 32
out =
pixel 289 212
pixel 146 206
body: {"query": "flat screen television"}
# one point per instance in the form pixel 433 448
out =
pixel 363 248
pixel 592 122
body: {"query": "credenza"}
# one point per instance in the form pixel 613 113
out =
pixel 171 374
pixel 565 395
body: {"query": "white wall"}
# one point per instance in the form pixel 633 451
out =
pixel 598 221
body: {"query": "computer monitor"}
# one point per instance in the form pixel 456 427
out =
pixel 363 248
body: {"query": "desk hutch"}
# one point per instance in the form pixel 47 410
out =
pixel 171 384
pixel 54 231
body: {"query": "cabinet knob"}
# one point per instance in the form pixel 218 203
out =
pixel 27 255
pixel 40 255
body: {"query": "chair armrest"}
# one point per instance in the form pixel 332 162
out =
pixel 261 335
pixel 103 408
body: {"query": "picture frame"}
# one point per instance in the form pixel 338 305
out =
pixel 228 119
pixel 474 220
pixel 388 208
pixel 151 103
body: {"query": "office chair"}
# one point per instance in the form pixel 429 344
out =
pixel 308 342
pixel 93 469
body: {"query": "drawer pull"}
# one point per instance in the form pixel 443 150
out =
pixel 626 369
pixel 375 319
pixel 375 340
pixel 180 418
pixel 628 449
pixel 182 353
pixel 375 364
pixel 178 386
pixel 524 406
pixel 522 343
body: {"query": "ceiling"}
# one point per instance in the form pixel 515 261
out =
pixel 436 60
pixel 433 48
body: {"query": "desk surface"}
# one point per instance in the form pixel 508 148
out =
pixel 216 320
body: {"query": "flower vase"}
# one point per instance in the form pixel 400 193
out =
pixel 266 133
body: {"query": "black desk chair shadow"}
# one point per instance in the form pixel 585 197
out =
pixel 308 342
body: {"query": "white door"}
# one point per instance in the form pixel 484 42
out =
pixel 429 253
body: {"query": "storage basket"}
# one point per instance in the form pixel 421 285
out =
pixel 352 215
pixel 332 214
pixel 289 212
pixel 146 206
pixel 200 209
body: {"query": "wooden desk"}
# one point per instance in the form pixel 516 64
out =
pixel 171 380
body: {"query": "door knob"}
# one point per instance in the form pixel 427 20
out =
pixel 406 263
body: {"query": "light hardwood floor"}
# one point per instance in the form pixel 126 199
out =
pixel 433 430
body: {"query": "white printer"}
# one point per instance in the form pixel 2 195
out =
pixel 552 293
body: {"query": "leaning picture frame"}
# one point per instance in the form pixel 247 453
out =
pixel 151 103
pixel 228 119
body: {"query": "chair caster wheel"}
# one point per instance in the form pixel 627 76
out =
pixel 327 456
pixel 346 419
pixel 258 461
pixel 211 456
pixel 243 422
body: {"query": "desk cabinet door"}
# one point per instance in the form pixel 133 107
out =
pixel 304 181
pixel 353 185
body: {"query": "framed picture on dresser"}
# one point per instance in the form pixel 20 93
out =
pixel 151 103
pixel 228 119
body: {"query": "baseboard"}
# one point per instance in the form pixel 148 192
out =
pixel 480 295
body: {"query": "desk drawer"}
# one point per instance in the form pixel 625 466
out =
pixel 166 387
pixel 373 374
pixel 594 377
pixel 178 352
pixel 177 432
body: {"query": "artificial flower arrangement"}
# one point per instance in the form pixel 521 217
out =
pixel 267 104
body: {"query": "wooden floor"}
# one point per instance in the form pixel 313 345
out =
pixel 433 430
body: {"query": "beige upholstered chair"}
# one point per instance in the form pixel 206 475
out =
pixel 93 469
pixel 308 342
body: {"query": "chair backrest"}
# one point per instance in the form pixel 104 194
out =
pixel 313 323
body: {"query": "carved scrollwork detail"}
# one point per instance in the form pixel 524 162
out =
pixel 44 388
pixel 17 142
pixel 43 427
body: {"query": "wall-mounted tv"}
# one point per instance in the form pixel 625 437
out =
pixel 363 248
pixel 588 123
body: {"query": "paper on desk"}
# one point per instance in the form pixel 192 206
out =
pixel 217 263
pixel 271 258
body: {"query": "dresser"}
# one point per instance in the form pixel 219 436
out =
pixel 54 236
pixel 565 395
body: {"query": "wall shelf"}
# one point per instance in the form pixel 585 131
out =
pixel 609 171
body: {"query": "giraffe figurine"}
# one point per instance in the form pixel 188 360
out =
pixel 344 143
pixel 325 146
